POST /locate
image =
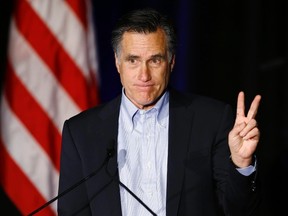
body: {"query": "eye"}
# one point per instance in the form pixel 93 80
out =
pixel 132 60
pixel 156 61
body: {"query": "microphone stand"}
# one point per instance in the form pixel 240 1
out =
pixel 133 194
pixel 110 153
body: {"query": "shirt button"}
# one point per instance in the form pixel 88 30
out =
pixel 149 165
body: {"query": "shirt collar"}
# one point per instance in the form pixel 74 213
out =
pixel 162 108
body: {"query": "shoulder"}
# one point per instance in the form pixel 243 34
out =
pixel 202 108
pixel 99 112
pixel 206 112
pixel 196 101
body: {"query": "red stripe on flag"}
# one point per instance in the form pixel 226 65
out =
pixel 95 93
pixel 52 53
pixel 79 8
pixel 18 187
pixel 82 90
pixel 33 116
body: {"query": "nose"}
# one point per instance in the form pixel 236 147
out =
pixel 144 73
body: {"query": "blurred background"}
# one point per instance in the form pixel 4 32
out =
pixel 223 47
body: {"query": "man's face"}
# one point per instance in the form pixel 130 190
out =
pixel 144 67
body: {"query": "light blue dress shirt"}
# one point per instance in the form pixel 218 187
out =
pixel 142 156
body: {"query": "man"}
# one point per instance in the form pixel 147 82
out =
pixel 174 154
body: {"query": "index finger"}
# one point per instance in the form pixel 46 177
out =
pixel 254 107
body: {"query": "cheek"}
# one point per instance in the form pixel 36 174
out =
pixel 168 76
pixel 162 77
pixel 126 76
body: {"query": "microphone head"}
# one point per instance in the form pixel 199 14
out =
pixel 121 158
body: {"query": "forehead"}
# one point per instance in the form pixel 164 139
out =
pixel 134 42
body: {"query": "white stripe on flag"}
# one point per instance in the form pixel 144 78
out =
pixel 62 21
pixel 50 95
pixel 28 154
pixel 45 88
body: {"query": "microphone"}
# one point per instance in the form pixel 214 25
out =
pixel 126 188
pixel 109 155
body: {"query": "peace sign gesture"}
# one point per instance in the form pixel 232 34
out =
pixel 244 137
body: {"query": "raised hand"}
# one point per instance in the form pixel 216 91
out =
pixel 244 137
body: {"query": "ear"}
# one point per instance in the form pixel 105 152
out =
pixel 117 62
pixel 172 63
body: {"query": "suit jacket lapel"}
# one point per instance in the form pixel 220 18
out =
pixel 109 126
pixel 180 122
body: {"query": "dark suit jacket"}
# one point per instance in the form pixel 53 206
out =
pixel 201 179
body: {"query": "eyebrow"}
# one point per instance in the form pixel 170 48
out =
pixel 158 56
pixel 131 56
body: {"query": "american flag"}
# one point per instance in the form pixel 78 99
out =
pixel 51 75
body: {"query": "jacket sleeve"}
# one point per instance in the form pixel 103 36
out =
pixel 238 194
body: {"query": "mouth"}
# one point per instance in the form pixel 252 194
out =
pixel 144 85
pixel 144 88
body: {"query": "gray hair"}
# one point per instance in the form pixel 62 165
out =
pixel 143 21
